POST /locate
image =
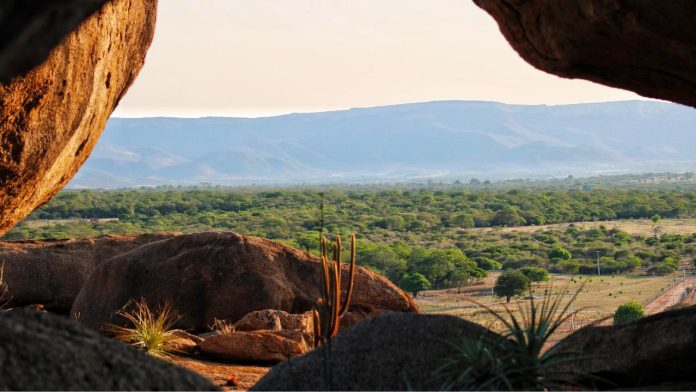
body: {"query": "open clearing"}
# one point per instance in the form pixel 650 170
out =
pixel 599 298
pixel 643 227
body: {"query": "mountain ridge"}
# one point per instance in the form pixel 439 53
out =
pixel 438 139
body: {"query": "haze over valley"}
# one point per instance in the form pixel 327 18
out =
pixel 445 140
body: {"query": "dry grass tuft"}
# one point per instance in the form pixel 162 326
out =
pixel 222 327
pixel 151 331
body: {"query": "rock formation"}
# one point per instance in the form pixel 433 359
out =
pixel 52 116
pixel 40 351
pixel 225 276
pixel 396 351
pixel 52 272
pixel 641 45
pixel 655 353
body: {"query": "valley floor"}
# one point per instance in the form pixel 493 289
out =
pixel 598 299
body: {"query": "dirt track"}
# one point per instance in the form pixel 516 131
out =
pixel 670 297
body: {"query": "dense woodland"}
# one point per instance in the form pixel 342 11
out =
pixel 428 230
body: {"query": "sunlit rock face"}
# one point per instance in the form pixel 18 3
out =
pixel 644 45
pixel 52 116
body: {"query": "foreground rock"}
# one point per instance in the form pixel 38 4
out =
pixel 641 46
pixel 262 346
pixel 51 117
pixel 40 351
pixel 657 352
pixel 210 276
pixel 52 272
pixel 397 351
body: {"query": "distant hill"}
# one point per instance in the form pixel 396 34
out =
pixel 440 140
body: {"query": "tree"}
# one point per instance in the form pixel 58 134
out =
pixel 560 253
pixel 458 278
pixel 414 283
pixel 628 312
pixel 510 283
pixel 535 274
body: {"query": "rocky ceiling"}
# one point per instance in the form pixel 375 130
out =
pixel 646 46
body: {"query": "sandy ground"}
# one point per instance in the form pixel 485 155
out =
pixel 220 373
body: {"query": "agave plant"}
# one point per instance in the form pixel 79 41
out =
pixel 517 360
pixel 151 331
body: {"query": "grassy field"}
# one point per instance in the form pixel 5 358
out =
pixel 643 227
pixel 599 298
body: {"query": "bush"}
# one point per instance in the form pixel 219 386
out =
pixel 560 253
pixel 628 312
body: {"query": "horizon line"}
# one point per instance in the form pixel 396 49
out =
pixel 346 109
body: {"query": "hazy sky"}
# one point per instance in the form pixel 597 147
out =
pixel 263 57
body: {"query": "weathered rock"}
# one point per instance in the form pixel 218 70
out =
pixel 643 46
pixel 263 346
pixel 650 352
pixel 51 117
pixel 52 272
pixel 396 351
pixel 40 351
pixel 275 320
pixel 225 276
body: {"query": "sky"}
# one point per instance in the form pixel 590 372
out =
pixel 251 58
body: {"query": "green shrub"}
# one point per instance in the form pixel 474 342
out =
pixel 486 263
pixel 560 253
pixel 628 312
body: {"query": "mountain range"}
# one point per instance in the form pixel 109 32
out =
pixel 409 142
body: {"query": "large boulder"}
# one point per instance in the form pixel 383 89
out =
pixel 657 352
pixel 52 116
pixel 396 351
pixel 210 276
pixel 40 351
pixel 52 272
pixel 642 45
